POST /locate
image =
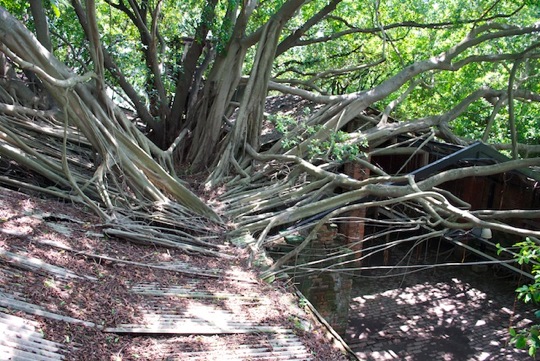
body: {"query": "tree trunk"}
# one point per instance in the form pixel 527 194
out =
pixel 40 22
pixel 208 119
pixel 247 127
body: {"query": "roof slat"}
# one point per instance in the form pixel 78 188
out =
pixel 192 328
pixel 20 341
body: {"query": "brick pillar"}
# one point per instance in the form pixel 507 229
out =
pixel 354 230
pixel 329 292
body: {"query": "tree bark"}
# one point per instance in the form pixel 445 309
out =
pixel 40 22
pixel 186 77
pixel 207 118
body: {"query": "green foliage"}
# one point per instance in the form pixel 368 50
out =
pixel 16 8
pixel 529 254
pixel 438 25
pixel 70 44
pixel 337 146
pixel 527 339
pixel 301 324
pixel 55 8
pixel 282 123
pixel 400 46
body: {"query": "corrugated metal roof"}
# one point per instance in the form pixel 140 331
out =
pixel 209 311
pixel 21 341
pixel 211 319
pixel 278 347
pixel 207 316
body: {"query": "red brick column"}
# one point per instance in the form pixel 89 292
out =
pixel 328 291
pixel 354 230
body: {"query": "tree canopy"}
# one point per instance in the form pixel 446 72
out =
pixel 159 57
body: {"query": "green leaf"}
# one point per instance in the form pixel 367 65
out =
pixel 55 10
pixel 512 332
pixel 521 342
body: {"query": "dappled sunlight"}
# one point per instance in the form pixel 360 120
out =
pixel 19 225
pixel 164 256
pixel 63 266
pixel 237 273
pixel 451 320
pixel 209 317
